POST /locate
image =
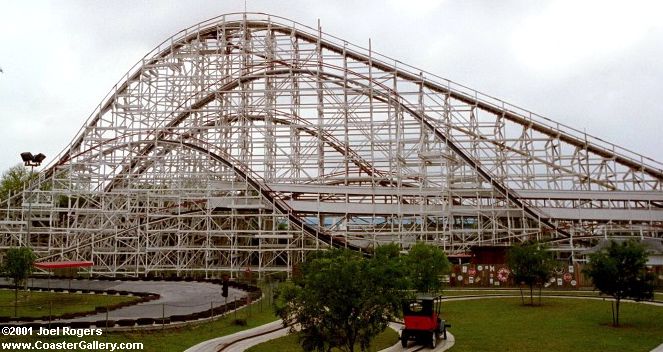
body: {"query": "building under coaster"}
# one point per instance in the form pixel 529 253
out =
pixel 245 141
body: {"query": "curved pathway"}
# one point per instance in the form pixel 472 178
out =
pixel 176 297
pixel 245 339
pixel 242 340
pixel 442 345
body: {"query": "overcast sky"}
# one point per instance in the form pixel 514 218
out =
pixel 594 65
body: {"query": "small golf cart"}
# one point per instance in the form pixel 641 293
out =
pixel 422 321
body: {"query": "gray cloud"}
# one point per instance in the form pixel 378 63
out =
pixel 579 67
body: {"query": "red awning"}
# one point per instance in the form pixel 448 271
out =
pixel 62 265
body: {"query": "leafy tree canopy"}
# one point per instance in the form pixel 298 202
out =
pixel 619 270
pixel 13 180
pixel 18 264
pixel 341 298
pixel 531 264
pixel 426 264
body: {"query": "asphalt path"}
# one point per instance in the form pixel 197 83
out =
pixel 246 339
pixel 242 340
pixel 176 297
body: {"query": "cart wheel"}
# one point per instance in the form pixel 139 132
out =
pixel 433 341
pixel 404 339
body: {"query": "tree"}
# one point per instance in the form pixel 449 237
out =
pixel 620 271
pixel 341 298
pixel 13 180
pixel 426 264
pixel 18 266
pixel 531 264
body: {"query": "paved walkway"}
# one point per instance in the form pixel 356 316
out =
pixel 442 345
pixel 177 297
pixel 221 343
pixel 242 340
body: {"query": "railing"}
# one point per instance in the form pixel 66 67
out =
pixel 460 89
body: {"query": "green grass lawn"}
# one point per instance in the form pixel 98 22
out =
pixel 179 339
pixel 584 292
pixel 38 304
pixel 516 291
pixel 176 339
pixel 496 324
pixel 503 324
pixel 289 343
